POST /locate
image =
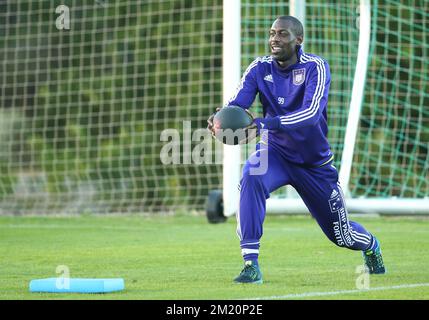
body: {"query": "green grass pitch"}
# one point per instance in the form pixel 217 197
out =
pixel 184 257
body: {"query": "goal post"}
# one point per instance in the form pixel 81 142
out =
pixel 231 55
pixel 357 94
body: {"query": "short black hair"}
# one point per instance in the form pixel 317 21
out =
pixel 297 26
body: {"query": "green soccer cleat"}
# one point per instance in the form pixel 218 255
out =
pixel 249 274
pixel 374 260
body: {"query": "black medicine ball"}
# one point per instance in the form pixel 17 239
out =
pixel 229 123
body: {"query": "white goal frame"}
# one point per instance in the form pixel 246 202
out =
pixel 232 154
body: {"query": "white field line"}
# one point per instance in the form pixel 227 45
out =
pixel 334 293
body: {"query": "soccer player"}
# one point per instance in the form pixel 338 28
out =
pixel 293 88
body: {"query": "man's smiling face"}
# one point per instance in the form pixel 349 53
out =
pixel 283 40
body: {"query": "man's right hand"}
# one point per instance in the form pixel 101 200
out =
pixel 210 122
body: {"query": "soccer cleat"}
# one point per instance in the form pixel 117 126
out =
pixel 249 274
pixel 374 260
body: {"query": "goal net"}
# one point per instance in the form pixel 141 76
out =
pixel 92 91
pixel 88 87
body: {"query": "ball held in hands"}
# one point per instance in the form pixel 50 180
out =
pixel 232 125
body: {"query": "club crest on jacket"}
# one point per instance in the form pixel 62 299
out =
pixel 298 76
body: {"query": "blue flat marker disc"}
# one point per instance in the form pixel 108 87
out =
pixel 74 285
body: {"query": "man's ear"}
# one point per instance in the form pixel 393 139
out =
pixel 299 40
